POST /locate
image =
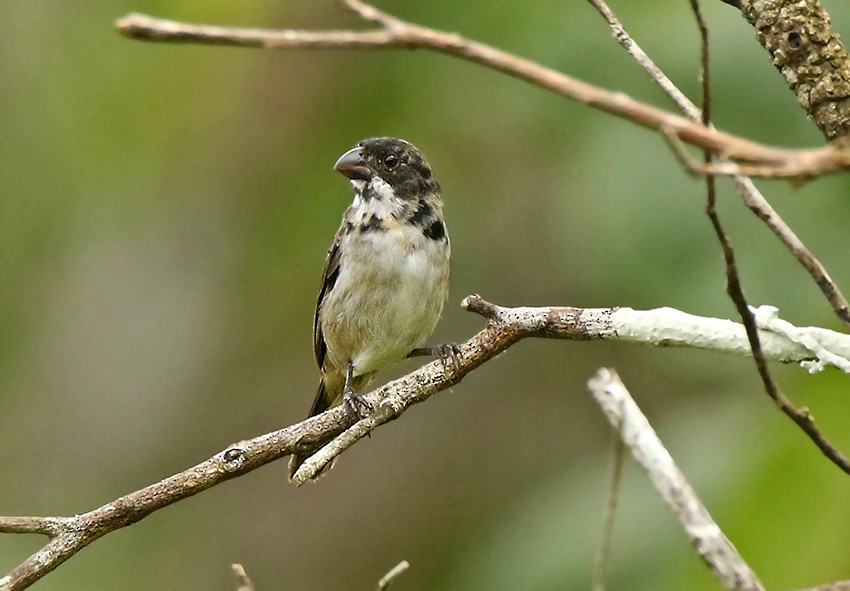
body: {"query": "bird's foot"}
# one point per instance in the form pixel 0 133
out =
pixel 356 404
pixel 447 353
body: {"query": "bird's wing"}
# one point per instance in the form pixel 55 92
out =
pixel 329 277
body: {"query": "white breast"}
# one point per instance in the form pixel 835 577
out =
pixel 388 296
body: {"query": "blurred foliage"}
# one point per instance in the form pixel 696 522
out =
pixel 164 217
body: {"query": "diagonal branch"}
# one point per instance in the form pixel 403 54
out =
pixel 759 205
pixel 396 33
pixel 728 566
pixel 800 416
pixel 506 326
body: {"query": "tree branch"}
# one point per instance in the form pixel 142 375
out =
pixel 706 536
pixel 506 326
pixel 752 197
pixel 800 416
pixel 396 33
pixel 809 54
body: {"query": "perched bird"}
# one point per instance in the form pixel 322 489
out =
pixel 386 274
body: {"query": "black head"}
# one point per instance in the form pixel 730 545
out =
pixel 397 162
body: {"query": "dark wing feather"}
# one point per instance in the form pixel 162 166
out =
pixel 329 277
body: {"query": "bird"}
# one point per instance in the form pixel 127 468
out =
pixel 386 274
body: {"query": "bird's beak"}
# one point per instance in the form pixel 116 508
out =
pixel 353 165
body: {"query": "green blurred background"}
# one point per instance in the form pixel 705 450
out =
pixel 164 216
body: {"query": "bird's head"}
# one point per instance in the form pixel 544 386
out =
pixel 380 162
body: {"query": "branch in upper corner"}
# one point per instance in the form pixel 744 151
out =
pixel 749 192
pixel 706 536
pixel 809 54
pixel 506 326
pixel 642 58
pixel 396 33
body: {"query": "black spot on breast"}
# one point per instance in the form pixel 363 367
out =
pixel 375 224
pixel 422 212
pixel 435 231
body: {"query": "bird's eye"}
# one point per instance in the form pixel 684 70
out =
pixel 391 161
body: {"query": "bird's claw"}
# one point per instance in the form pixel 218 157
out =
pixel 356 404
pixel 449 355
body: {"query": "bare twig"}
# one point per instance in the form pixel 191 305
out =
pixel 395 571
pixel 600 563
pixel 706 536
pixel 506 326
pixel 759 205
pixel 644 61
pixel 749 192
pixel 396 33
pixel 800 416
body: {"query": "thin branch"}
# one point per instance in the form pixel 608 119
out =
pixel 628 43
pixel 506 326
pixel 396 33
pixel 800 416
pixel 603 554
pixel 48 526
pixel 759 205
pixel 706 536
pixel 752 197
pixel 395 571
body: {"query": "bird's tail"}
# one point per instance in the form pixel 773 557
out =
pixel 325 398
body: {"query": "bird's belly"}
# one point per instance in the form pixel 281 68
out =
pixel 386 301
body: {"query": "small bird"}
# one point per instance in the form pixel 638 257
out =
pixel 386 274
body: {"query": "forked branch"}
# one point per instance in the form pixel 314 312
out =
pixel 750 194
pixel 506 326
pixel 330 433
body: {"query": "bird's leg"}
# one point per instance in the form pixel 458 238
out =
pixel 448 353
pixel 353 401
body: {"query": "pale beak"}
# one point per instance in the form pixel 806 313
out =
pixel 353 165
